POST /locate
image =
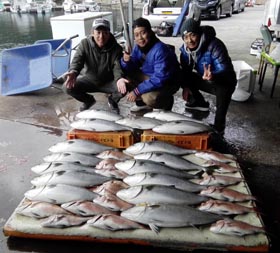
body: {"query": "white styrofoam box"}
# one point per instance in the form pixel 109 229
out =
pixel 246 78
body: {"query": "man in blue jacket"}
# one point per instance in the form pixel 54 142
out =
pixel 152 69
pixel 206 66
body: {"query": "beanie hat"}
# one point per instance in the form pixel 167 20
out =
pixel 190 25
pixel 142 22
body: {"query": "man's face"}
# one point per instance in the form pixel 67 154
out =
pixel 101 36
pixel 141 36
pixel 191 40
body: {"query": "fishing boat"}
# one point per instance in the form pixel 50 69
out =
pixel 5 5
pixel 80 6
pixel 32 6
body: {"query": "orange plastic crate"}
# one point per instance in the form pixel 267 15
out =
pixel 195 141
pixel 114 139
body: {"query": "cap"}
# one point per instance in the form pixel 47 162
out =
pixel 101 22
pixel 191 25
pixel 142 22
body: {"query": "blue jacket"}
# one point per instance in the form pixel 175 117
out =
pixel 160 64
pixel 211 50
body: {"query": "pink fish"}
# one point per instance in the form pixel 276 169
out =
pixel 112 186
pixel 216 156
pixel 219 180
pixel 221 167
pixel 114 154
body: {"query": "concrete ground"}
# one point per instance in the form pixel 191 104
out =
pixel 31 123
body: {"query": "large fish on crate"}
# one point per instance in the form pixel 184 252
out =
pixel 76 178
pixel 167 215
pixel 142 166
pixel 156 146
pixel 139 122
pixel 98 114
pixel 168 116
pixel 79 146
pixel 98 125
pixel 159 194
pixel 59 193
pixel 162 179
pixel 182 127
pixel 78 158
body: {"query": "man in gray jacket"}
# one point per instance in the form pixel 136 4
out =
pixel 98 56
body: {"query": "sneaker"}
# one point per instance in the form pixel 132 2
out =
pixel 86 106
pixel 138 108
pixel 200 106
pixel 113 105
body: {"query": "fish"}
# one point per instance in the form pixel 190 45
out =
pixel 224 207
pixel 234 227
pixel 221 167
pixel 216 156
pixel 162 179
pixel 182 127
pixel 158 194
pixel 47 167
pixel 98 114
pixel 82 159
pixel 114 154
pixel 112 202
pixel 112 186
pixel 79 146
pixel 108 163
pixel 113 222
pixel 63 221
pixel 111 173
pixel 98 125
pixel 139 122
pixel 222 193
pixel 168 215
pixel 75 178
pixel 142 166
pixel 219 180
pixel 156 146
pixel 39 210
pixel 169 116
pixel 59 194
pixel 85 208
pixel 173 161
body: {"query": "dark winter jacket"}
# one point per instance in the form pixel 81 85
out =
pixel 211 50
pixel 159 63
pixel 100 65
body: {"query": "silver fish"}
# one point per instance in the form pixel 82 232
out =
pixel 59 194
pixel 85 208
pixel 112 202
pixel 59 166
pixel 162 179
pixel 76 178
pixel 181 127
pixel 79 146
pixel 98 125
pixel 38 210
pixel 156 146
pixel 223 193
pixel 63 221
pixel 158 194
pixel 113 222
pixel 224 207
pixel 168 216
pixel 114 154
pixel 216 156
pixel 112 186
pixel 139 122
pixel 142 166
pixel 98 114
pixel 234 227
pixel 170 160
pixel 83 159
pixel 169 116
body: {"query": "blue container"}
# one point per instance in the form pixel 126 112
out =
pixel 60 57
pixel 26 69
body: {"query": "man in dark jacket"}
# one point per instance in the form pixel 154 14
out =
pixel 152 68
pixel 98 56
pixel 206 66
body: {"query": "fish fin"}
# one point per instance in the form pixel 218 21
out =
pixel 154 228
